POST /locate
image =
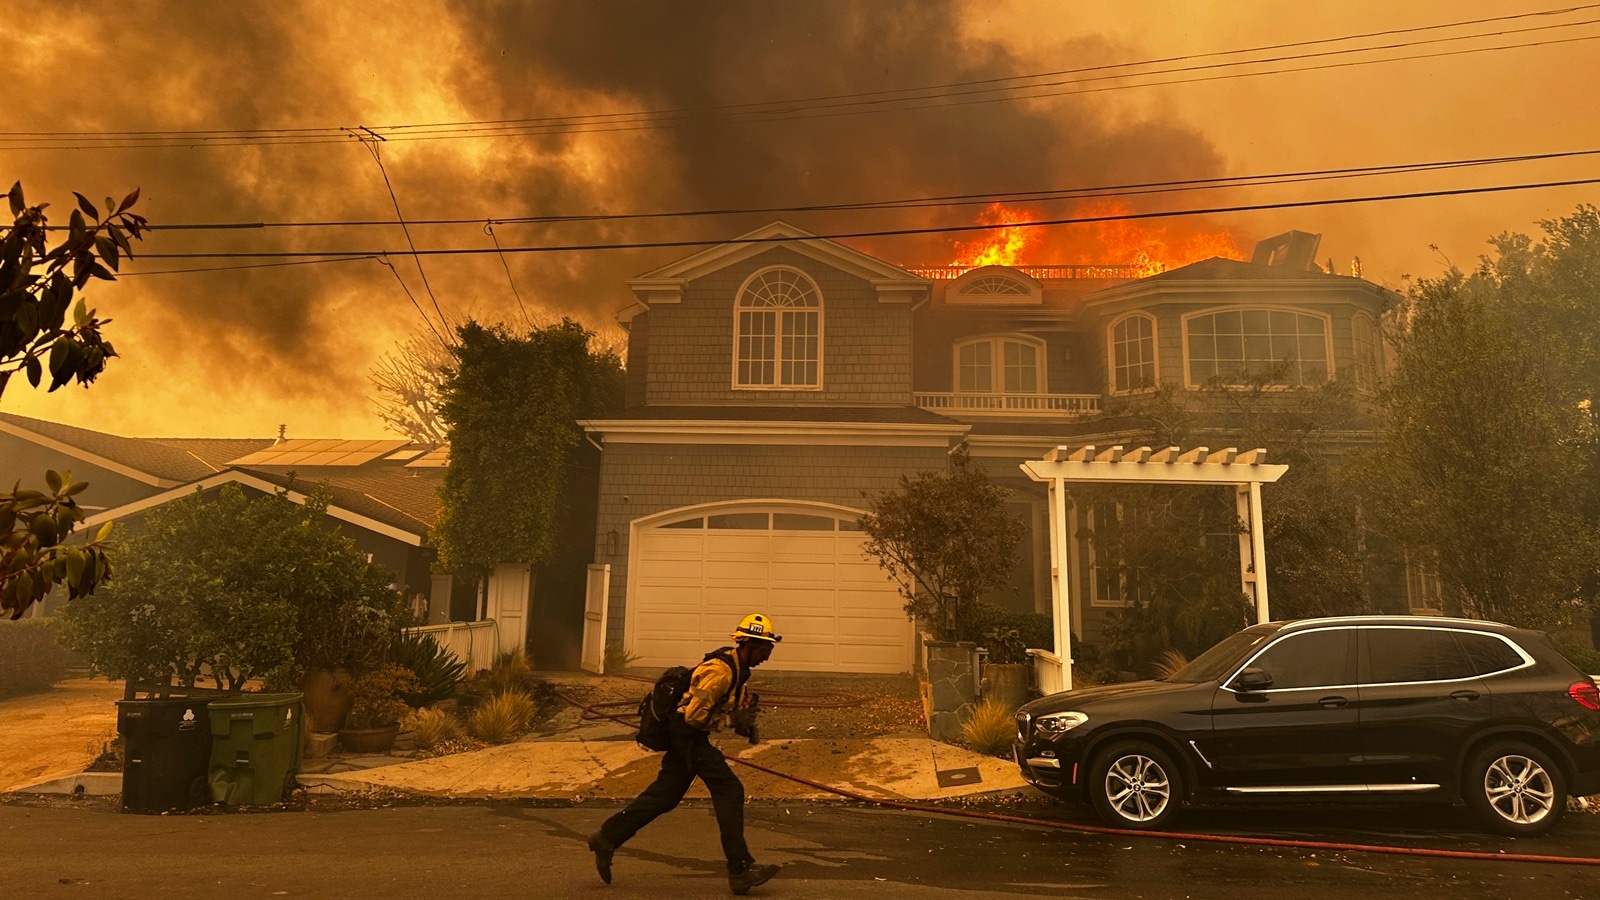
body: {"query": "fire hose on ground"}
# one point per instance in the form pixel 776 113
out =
pixel 835 700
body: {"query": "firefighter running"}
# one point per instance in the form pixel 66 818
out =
pixel 716 696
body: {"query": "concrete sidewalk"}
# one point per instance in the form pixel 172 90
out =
pixel 882 768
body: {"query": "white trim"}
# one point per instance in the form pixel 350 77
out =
pixel 84 455
pixel 955 294
pixel 1327 339
pixel 1145 288
pixel 1111 354
pixel 234 477
pixel 739 309
pixel 857 434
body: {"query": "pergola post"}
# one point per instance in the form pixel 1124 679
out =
pixel 1246 472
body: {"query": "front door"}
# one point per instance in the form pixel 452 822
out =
pixel 1420 698
pixel 597 596
pixel 1297 735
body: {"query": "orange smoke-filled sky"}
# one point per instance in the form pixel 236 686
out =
pixel 239 351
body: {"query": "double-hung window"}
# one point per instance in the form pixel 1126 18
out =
pixel 778 331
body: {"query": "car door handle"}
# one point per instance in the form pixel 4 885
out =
pixel 1465 695
pixel 1332 702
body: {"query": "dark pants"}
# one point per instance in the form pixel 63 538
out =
pixel 692 756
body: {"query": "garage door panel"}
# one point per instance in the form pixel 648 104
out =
pixel 837 612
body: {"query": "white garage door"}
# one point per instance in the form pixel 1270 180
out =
pixel 692 580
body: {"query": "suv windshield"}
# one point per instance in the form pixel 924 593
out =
pixel 1214 663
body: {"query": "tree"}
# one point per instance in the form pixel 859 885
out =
pixel 1172 552
pixel 512 406
pixel 234 587
pixel 1487 463
pixel 409 380
pixel 37 286
pixel 946 540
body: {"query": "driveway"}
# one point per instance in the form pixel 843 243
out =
pixel 56 733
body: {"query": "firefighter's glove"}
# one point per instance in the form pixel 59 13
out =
pixel 744 721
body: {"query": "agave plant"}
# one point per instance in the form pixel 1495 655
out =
pixel 438 671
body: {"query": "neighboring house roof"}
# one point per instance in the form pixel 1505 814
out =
pixel 1217 274
pixel 162 462
pixel 395 503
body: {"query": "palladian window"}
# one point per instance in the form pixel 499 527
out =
pixel 1000 365
pixel 1238 345
pixel 778 341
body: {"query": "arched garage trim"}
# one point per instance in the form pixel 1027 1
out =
pixel 694 571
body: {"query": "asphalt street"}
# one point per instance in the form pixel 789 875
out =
pixel 508 849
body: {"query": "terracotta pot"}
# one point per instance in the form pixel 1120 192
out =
pixel 328 698
pixel 369 740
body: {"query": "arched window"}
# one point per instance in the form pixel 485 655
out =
pixel 778 331
pixel 996 284
pixel 1364 343
pixel 995 365
pixel 1237 345
pixel 1133 353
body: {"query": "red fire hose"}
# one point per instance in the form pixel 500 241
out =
pixel 592 711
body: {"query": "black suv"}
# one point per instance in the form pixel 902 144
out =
pixel 1317 710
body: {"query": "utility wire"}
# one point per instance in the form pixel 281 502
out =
pixel 371 145
pixel 784 110
pixel 900 232
pixel 937 201
pixel 488 228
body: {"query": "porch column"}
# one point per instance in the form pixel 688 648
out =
pixel 1060 579
pixel 1252 547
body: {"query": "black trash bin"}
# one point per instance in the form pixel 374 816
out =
pixel 166 750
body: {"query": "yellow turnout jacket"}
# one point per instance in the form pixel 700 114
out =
pixel 716 687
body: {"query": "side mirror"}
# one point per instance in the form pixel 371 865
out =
pixel 1252 679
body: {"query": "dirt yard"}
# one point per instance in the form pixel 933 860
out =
pixel 56 733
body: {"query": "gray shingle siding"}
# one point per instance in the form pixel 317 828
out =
pixel 866 344
pixel 655 478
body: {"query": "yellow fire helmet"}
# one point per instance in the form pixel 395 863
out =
pixel 758 627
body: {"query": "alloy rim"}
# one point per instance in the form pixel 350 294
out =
pixel 1519 789
pixel 1138 788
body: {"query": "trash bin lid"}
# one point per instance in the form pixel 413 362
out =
pixel 257 701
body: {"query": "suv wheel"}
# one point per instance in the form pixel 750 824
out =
pixel 1134 784
pixel 1515 789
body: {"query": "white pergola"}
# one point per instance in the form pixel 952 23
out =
pixel 1246 472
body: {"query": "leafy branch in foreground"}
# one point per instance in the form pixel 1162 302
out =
pixel 34 555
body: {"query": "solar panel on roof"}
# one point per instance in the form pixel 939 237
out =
pixel 434 459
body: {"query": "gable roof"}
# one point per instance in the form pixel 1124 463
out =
pixel 397 503
pixel 162 462
pixel 670 278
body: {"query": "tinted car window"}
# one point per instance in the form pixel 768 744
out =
pixel 1215 663
pixel 1313 659
pixel 1488 654
pixel 1398 655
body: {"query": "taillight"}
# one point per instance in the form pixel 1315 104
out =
pixel 1586 693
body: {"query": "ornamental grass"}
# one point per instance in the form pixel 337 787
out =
pixel 502 717
pixel 991 728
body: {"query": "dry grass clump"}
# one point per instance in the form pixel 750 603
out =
pixel 502 717
pixel 990 729
pixel 1169 663
pixel 437 731
pixel 511 671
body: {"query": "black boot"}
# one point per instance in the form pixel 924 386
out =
pixel 602 856
pixel 752 876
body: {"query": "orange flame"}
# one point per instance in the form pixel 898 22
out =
pixel 1003 247
pixel 1150 247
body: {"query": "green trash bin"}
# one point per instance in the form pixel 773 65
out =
pixel 256 743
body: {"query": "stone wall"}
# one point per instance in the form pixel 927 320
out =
pixel 949 686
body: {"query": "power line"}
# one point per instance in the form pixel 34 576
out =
pixel 784 110
pixel 936 201
pixel 902 232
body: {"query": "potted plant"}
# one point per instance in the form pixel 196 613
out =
pixel 376 709
pixel 1005 676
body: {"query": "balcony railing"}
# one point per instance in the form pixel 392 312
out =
pixel 1043 273
pixel 1069 405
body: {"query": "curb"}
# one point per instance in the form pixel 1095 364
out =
pixel 95 784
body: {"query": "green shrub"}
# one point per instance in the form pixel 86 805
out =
pixel 31 660
pixel 438 671
pixel 1034 630
pixel 991 728
pixel 1585 658
pixel 499 719
pixel 376 697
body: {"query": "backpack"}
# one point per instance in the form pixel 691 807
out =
pixel 659 706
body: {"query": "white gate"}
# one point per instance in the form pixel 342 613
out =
pixel 510 587
pixel 597 596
